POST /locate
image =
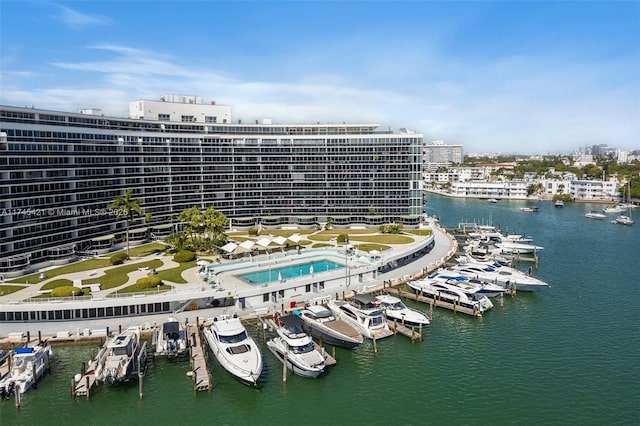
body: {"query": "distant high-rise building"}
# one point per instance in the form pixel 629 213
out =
pixel 437 153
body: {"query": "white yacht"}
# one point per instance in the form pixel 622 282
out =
pixel 28 365
pixel 116 360
pixel 171 339
pixel 623 219
pixel 397 311
pixel 329 329
pixel 363 314
pixel 499 274
pixel 234 349
pixel 595 215
pixel 468 284
pixel 295 348
pixel 452 294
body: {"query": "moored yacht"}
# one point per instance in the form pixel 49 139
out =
pixel 499 274
pixel 295 348
pixel 363 313
pixel 327 328
pixel 234 349
pixel 452 294
pixel 468 284
pixel 397 311
pixel 28 365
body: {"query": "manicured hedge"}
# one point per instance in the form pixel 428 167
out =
pixel 118 258
pixel 146 283
pixel 66 291
pixel 184 256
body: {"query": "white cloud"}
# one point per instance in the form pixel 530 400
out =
pixel 74 19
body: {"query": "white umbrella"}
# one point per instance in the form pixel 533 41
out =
pixel 263 242
pixel 229 247
pixel 311 269
pixel 279 276
pixel 295 238
pixel 247 244
pixel 375 253
pixel 202 262
pixel 279 240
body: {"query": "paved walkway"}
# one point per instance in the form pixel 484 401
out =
pixel 445 246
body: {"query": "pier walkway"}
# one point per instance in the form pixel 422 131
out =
pixel 198 360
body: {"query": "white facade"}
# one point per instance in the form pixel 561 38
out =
pixel 594 190
pixel 439 152
pixel 184 109
pixel 509 189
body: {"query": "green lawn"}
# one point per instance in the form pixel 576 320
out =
pixel 118 275
pixel 8 289
pixel 56 283
pixel 174 274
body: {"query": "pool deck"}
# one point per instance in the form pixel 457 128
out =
pixel 445 247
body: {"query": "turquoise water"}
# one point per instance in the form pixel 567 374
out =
pixel 565 356
pixel 287 272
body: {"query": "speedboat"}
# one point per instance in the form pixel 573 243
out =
pixel 234 349
pixel 468 284
pixel 325 327
pixel 397 311
pixel 295 349
pixel 171 339
pixel 595 215
pixel 559 203
pixel 452 294
pixel 530 209
pixel 116 360
pixel 499 274
pixel 363 313
pixel 28 365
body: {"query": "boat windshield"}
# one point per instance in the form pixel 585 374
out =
pixel 236 338
pixel 302 349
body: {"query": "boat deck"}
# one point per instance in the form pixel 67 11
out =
pixel 343 328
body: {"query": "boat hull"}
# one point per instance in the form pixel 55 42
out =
pixel 300 370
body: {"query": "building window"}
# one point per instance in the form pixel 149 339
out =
pixel 163 117
pixel 187 118
pixel 210 119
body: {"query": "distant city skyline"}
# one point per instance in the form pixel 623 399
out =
pixel 509 76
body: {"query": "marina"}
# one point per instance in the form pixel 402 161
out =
pixel 531 330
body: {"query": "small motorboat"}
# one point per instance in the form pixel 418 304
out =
pixel 116 360
pixel 28 365
pixel 171 339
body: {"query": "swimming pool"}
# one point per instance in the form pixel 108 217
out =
pixel 264 276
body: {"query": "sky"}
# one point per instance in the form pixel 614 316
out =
pixel 495 76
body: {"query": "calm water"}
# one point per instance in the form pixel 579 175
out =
pixel 565 356
pixel 288 272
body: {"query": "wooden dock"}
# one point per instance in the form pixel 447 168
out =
pixel 87 380
pixel 198 360
pixel 414 333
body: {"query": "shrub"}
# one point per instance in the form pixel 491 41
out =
pixel 66 291
pixel 118 258
pixel 146 283
pixel 342 238
pixel 391 229
pixel 184 256
pixel 253 232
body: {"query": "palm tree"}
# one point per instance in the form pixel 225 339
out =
pixel 129 207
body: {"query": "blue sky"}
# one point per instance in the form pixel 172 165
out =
pixel 511 76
